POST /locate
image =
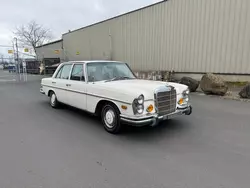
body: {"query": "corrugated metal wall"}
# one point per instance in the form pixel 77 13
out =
pixel 48 51
pixel 179 35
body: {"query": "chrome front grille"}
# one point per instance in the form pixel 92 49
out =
pixel 165 101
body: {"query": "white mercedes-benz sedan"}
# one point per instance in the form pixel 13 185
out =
pixel 110 90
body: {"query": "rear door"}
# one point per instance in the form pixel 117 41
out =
pixel 77 87
pixel 60 83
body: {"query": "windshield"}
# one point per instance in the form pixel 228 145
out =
pixel 102 71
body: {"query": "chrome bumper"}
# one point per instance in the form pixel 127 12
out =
pixel 154 119
pixel 41 91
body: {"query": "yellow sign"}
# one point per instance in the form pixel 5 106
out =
pixel 10 51
pixel 77 53
pixel 57 51
pixel 26 50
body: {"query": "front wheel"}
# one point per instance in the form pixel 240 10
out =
pixel 111 119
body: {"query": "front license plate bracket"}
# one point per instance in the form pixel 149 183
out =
pixel 165 117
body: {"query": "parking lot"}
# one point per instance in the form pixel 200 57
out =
pixel 68 148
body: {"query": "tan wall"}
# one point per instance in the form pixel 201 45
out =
pixel 91 43
pixel 183 35
pixel 48 51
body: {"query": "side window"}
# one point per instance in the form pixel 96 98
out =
pixel 91 72
pixel 65 72
pixel 77 73
pixel 58 75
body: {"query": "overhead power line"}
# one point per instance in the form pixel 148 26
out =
pixel 6 46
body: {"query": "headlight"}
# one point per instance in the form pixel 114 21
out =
pixel 140 99
pixel 184 100
pixel 140 109
pixel 186 92
pixel 138 105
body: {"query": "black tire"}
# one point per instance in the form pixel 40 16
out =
pixel 53 100
pixel 110 116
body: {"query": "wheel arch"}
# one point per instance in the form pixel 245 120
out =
pixel 102 103
pixel 50 92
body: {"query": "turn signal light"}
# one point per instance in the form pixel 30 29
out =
pixel 150 108
pixel 124 107
pixel 181 101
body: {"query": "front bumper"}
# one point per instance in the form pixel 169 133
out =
pixel 154 119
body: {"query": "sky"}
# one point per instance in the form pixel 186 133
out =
pixel 60 15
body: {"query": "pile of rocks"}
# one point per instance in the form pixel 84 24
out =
pixel 212 84
pixel 245 92
pixel 191 83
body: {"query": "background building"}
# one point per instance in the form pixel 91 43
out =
pixel 187 36
pixel 50 55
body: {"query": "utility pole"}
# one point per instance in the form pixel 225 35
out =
pixel 43 62
pixel 2 59
pixel 17 57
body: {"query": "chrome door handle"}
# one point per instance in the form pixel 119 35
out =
pixel 53 82
pixel 68 85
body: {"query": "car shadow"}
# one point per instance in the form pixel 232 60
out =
pixel 169 128
pixel 80 114
pixel 165 129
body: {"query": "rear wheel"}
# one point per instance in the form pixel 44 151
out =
pixel 53 100
pixel 111 118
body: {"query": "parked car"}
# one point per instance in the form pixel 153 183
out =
pixel 12 68
pixel 110 90
pixel 32 66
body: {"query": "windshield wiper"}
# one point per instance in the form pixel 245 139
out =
pixel 118 78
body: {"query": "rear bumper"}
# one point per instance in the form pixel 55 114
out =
pixel 42 91
pixel 154 119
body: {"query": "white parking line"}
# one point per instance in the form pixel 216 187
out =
pixel 3 80
pixel 6 76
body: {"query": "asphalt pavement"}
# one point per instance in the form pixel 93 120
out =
pixel 41 147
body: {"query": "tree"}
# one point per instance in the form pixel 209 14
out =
pixel 33 34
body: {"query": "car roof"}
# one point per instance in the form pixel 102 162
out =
pixel 92 61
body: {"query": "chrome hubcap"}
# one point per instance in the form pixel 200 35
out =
pixel 109 118
pixel 53 99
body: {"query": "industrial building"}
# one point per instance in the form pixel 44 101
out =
pixel 50 54
pixel 187 36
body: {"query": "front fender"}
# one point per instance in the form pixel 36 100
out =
pixel 93 104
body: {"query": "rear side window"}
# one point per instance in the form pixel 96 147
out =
pixel 64 72
pixel 58 75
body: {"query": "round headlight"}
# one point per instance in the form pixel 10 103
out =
pixel 140 99
pixel 140 109
pixel 187 91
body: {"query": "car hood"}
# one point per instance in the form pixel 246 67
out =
pixel 135 87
